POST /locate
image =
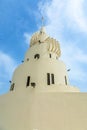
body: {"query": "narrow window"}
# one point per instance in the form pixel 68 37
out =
pixel 12 87
pixel 28 81
pixel 52 78
pixel 65 80
pixel 50 55
pixel 48 78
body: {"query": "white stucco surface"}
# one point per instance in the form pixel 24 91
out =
pixel 43 111
pixel 41 97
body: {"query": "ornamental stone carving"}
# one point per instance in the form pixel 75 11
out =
pixel 41 37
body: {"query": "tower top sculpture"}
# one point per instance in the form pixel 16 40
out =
pixel 41 37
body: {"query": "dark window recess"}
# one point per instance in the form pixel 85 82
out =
pixel 65 80
pixel 27 59
pixel 37 56
pixel 50 55
pixel 48 78
pixel 33 84
pixel 39 41
pixel 12 87
pixel 52 78
pixel 28 81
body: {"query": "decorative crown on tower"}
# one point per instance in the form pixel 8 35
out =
pixel 42 37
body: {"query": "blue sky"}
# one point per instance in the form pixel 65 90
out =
pixel 65 20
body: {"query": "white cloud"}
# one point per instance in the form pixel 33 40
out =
pixel 72 51
pixel 6 63
pixel 53 14
pixel 75 14
pixel 7 66
pixel 27 37
pixel 67 12
pixel 74 59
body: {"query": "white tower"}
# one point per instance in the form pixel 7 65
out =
pixel 40 97
pixel 42 68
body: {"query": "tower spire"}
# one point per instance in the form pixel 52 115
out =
pixel 42 19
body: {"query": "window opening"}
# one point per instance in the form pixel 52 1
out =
pixel 37 56
pixel 48 78
pixel 39 41
pixel 27 59
pixel 28 81
pixel 52 78
pixel 65 80
pixel 50 55
pixel 12 87
pixel 33 84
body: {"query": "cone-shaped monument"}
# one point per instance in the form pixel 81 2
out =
pixel 42 69
pixel 40 97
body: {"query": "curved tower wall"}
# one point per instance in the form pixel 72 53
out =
pixel 42 68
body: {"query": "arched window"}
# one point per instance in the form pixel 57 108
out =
pixel 36 56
